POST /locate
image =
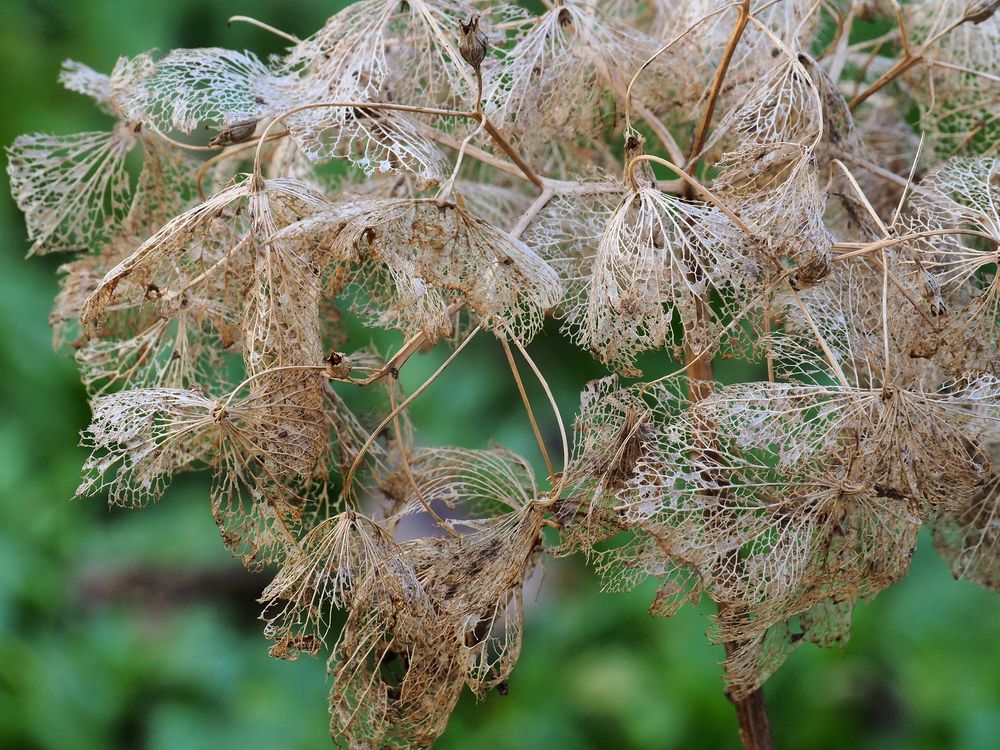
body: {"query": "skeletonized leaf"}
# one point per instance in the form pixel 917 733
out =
pixel 74 190
pixel 405 261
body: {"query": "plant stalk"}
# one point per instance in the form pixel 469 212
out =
pixel 751 711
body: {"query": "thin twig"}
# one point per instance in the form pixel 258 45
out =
pixel 555 410
pixel 720 76
pixel 349 479
pixel 405 461
pixel 527 408
pixel 714 199
pixel 515 157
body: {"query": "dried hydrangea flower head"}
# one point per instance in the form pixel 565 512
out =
pixel 676 182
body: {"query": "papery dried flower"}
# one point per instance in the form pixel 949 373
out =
pixel 823 240
pixel 411 258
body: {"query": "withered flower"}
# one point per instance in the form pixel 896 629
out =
pixel 847 256
pixel 474 43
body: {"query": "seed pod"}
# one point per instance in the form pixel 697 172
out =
pixel 338 366
pixel 474 43
pixel 981 10
pixel 237 132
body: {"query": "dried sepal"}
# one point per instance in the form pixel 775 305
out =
pixel 73 189
pixel 956 86
pixel 471 482
pixel 261 445
pixel 188 88
pixel 657 259
pixel 553 78
pixel 968 537
pixel 140 438
pixel 393 681
pixel 782 496
pixel 610 434
pixel 476 580
pixel 75 76
pixel 196 256
pixel 404 262
pixel 345 554
pixel 374 46
pixel 377 141
pixel 959 269
pixel 272 441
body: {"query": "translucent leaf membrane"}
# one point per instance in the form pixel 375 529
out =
pixel 376 141
pixel 212 86
pixel 476 581
pixel 346 556
pixel 77 77
pixel 962 194
pixel 382 50
pixel 658 258
pixel 957 88
pixel 261 446
pixel 403 262
pixel 968 537
pixel 556 74
pixel 473 482
pixel 74 190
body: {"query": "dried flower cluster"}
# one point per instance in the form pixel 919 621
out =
pixel 699 179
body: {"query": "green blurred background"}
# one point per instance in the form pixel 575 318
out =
pixel 136 630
